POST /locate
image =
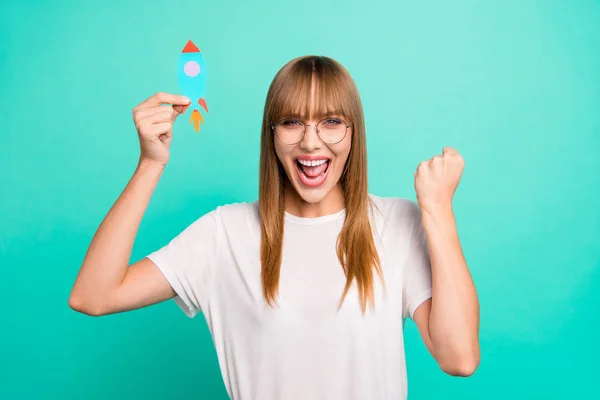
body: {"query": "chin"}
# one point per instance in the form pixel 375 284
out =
pixel 311 196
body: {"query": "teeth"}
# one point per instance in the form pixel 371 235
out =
pixel 312 163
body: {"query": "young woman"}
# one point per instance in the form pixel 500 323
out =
pixel 306 290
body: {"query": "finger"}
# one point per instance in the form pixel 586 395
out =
pixel 435 159
pixel 163 128
pixel 148 130
pixel 179 109
pixel 164 98
pixel 449 150
pixel 164 115
pixel 142 114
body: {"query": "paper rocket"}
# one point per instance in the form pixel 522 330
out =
pixel 191 71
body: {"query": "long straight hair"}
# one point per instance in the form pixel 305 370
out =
pixel 290 94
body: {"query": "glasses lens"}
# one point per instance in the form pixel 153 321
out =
pixel 289 130
pixel 332 130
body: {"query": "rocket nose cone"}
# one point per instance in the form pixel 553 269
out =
pixel 190 47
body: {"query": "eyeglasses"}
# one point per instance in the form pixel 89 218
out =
pixel 329 130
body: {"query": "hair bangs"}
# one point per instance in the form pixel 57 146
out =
pixel 313 90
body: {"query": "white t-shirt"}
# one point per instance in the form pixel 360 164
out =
pixel 305 348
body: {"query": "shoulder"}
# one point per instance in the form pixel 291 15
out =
pixel 236 219
pixel 396 208
pixel 227 214
pixel 396 217
pixel 237 212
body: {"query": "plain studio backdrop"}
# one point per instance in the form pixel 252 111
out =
pixel 513 85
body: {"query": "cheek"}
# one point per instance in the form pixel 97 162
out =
pixel 341 164
pixel 342 155
pixel 283 155
pixel 280 154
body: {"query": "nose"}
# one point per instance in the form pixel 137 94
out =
pixel 311 140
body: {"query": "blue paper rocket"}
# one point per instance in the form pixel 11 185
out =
pixel 191 71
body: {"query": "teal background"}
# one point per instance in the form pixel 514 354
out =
pixel 513 85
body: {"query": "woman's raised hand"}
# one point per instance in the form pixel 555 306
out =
pixel 154 123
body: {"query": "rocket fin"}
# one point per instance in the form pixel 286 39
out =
pixel 202 102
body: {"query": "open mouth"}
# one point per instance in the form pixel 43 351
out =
pixel 312 173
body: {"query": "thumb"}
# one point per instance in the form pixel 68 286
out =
pixel 180 103
pixel 179 110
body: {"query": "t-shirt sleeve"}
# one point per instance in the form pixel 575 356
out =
pixel 188 262
pixel 417 286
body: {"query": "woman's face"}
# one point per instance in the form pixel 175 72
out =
pixel 313 167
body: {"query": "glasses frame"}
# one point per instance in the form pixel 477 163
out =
pixel 274 127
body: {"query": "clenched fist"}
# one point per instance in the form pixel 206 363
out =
pixel 436 179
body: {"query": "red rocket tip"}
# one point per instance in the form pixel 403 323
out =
pixel 190 47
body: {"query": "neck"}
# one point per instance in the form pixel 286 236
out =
pixel 332 203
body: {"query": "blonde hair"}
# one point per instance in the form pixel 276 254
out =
pixel 290 94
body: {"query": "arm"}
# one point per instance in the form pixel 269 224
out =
pixel 105 284
pixel 449 321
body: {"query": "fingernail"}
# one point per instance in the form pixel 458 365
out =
pixel 186 99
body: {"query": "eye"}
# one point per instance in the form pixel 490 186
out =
pixel 291 122
pixel 333 122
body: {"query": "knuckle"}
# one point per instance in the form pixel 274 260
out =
pixel 137 117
